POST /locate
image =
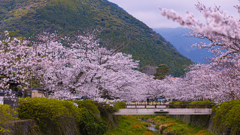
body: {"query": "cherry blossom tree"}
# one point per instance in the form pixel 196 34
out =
pixel 222 30
pixel 16 59
pixel 158 88
pixel 220 79
pixel 80 67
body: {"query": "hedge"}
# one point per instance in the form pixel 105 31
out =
pixel 7 114
pixel 57 117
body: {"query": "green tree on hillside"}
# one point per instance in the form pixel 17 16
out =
pixel 161 72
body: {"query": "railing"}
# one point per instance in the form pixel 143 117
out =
pixel 154 106
pixel 12 101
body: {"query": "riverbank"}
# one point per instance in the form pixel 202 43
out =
pixel 130 125
pixel 171 126
pixel 134 125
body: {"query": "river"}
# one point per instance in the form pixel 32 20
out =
pixel 152 127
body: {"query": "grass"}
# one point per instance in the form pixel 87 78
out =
pixel 178 127
pixel 129 125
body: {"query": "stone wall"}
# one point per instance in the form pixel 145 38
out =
pixel 29 127
pixel 22 127
pixel 201 121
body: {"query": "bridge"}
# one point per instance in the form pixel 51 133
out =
pixel 166 109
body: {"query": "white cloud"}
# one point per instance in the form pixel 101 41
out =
pixel 147 10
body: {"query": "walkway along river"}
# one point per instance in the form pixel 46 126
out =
pixel 163 109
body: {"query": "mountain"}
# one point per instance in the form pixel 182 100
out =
pixel 117 27
pixel 115 5
pixel 184 43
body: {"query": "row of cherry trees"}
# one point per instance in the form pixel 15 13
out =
pixel 220 80
pixel 204 82
pixel 80 66
pixel 84 67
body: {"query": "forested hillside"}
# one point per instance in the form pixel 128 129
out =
pixel 117 26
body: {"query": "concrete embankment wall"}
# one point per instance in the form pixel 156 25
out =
pixel 30 127
pixel 22 127
pixel 201 121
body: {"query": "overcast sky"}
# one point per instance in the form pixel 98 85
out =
pixel 147 10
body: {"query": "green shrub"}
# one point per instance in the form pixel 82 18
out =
pixel 89 124
pixel 111 108
pixel 88 104
pixel 7 114
pixel 190 105
pixel 227 116
pixel 119 105
pixel 201 102
pixel 177 102
pixel 52 115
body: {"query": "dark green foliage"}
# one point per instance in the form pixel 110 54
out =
pixel 68 16
pixel 227 116
pixel 202 102
pixel 177 102
pixel 88 104
pixel 57 117
pixel 52 115
pixel 192 104
pixel 120 105
pixel 7 114
pixel 89 124
pixel 161 72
